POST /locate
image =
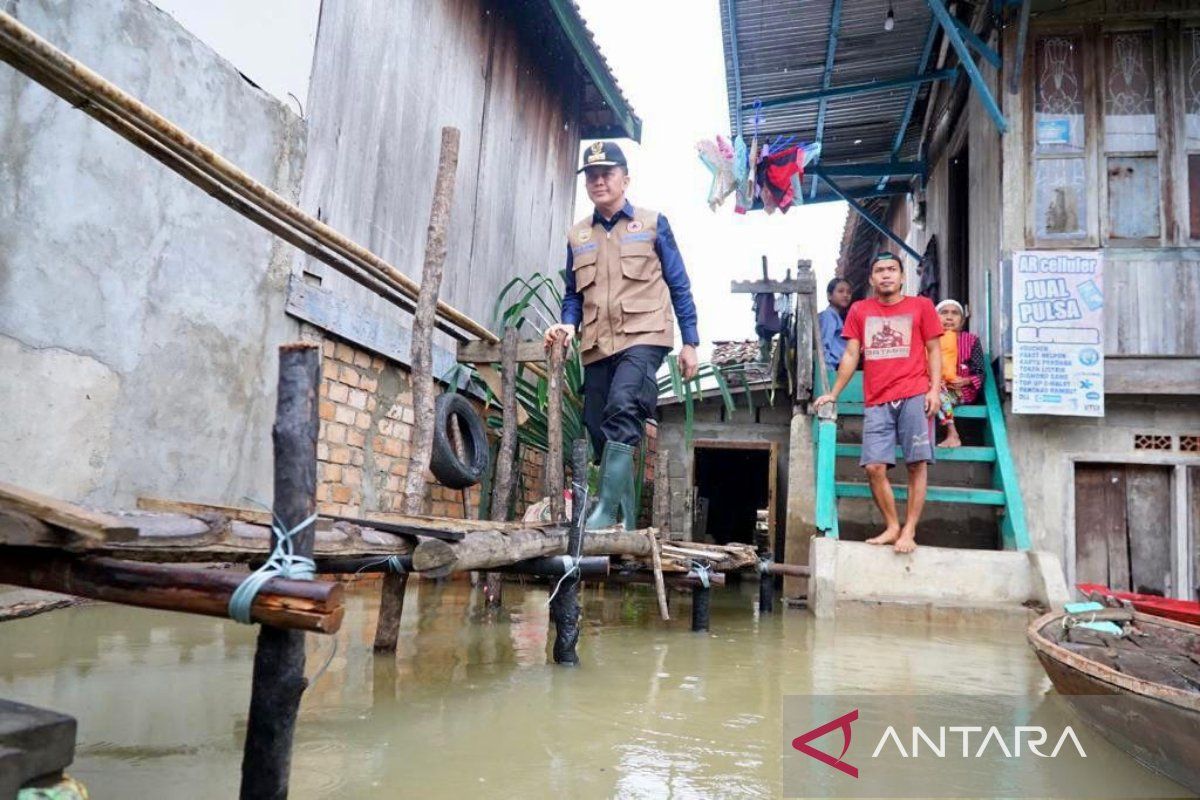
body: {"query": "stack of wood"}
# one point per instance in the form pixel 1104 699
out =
pixel 681 556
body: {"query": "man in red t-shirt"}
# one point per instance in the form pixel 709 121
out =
pixel 902 367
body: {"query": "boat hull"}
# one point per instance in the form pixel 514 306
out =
pixel 1159 727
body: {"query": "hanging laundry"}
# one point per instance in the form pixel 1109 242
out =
pixel 766 319
pixel 777 169
pixel 741 171
pixel 717 156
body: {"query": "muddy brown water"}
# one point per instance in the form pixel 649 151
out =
pixel 472 705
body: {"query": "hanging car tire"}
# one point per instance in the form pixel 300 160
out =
pixel 444 462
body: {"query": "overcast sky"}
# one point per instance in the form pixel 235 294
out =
pixel 668 59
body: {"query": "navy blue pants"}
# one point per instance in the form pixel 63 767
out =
pixel 620 393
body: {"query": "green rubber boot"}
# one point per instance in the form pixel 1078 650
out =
pixel 616 489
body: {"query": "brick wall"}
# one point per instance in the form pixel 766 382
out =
pixel 364 444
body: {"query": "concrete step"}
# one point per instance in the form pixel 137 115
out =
pixel 934 494
pixel 982 455
pixel 847 574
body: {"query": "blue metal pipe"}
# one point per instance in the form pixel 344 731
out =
pixel 980 46
pixel 862 212
pixel 835 22
pixel 876 168
pixel 942 15
pixel 858 88
pixel 926 51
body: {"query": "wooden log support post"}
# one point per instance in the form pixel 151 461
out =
pixel 278 679
pixel 661 515
pixel 564 607
pixel 391 601
pixel 507 456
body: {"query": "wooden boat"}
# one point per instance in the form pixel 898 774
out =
pixel 1182 610
pixel 1154 671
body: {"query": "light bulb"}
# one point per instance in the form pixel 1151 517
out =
pixel 889 21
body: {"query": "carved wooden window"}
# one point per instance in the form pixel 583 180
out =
pixel 1060 140
pixel 1130 148
pixel 1191 125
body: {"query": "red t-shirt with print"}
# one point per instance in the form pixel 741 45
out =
pixel 893 339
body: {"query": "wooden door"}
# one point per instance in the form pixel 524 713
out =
pixel 1193 506
pixel 1123 527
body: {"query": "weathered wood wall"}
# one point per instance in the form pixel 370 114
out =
pixel 1152 293
pixel 387 75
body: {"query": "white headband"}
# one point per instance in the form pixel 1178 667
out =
pixel 954 303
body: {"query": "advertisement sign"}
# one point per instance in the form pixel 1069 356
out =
pixel 1058 332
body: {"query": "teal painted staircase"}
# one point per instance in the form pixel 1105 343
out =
pixel 1004 494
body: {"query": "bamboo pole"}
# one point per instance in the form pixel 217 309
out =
pixel 178 150
pixel 659 589
pixel 507 454
pixel 554 433
pixel 278 679
pixel 299 605
pixel 391 602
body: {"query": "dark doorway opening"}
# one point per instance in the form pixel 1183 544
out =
pixel 958 229
pixel 733 484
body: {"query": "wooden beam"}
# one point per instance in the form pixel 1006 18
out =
pixel 486 550
pixel 295 605
pixel 798 285
pixel 89 525
pixel 488 353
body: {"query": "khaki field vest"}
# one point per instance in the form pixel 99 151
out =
pixel 625 299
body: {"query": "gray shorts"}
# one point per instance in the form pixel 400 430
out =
pixel 900 422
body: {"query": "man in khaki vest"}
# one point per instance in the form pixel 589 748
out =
pixel 625 287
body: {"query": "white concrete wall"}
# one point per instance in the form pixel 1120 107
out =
pixel 1045 450
pixel 139 318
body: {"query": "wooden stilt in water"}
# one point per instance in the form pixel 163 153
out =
pixel 507 455
pixel 564 608
pixel 279 678
pixel 391 601
pixel 766 592
pixel 701 597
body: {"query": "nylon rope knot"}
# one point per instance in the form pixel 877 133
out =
pixel 283 562
pixel 702 571
pixel 764 565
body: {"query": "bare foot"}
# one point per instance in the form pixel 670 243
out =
pixel 951 440
pixel 890 534
pixel 907 541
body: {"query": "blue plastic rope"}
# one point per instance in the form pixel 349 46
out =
pixel 282 563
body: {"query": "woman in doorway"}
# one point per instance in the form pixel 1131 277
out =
pixel 962 367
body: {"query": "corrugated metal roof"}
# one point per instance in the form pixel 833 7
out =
pixel 782 49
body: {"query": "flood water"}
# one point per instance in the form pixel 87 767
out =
pixel 472 702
